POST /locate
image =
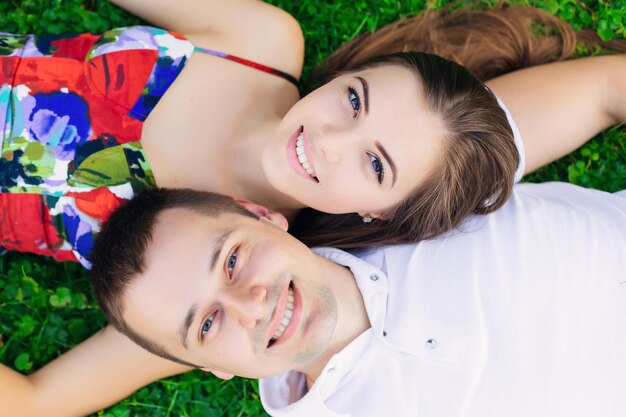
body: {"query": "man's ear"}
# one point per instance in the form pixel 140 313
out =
pixel 221 375
pixel 264 213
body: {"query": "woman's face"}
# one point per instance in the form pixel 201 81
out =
pixel 360 143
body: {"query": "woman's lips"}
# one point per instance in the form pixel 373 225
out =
pixel 292 156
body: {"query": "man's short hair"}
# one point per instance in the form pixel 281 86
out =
pixel 119 252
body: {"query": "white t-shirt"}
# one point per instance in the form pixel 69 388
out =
pixel 520 314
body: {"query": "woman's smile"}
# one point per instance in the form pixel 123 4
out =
pixel 299 155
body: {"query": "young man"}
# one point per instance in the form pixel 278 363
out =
pixel 521 313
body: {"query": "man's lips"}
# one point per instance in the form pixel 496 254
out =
pixel 294 159
pixel 282 307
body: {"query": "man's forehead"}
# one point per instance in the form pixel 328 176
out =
pixel 184 235
pixel 187 235
pixel 188 218
pixel 185 243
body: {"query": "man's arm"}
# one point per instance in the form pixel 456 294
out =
pixel 99 372
pixel 560 106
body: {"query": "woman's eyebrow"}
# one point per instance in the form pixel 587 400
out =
pixel 366 94
pixel 394 170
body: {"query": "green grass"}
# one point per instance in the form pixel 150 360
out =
pixel 48 307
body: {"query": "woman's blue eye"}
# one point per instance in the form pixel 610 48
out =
pixel 232 262
pixel 355 102
pixel 378 168
pixel 206 326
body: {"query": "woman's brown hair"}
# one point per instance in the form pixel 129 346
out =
pixel 477 165
pixel 487 42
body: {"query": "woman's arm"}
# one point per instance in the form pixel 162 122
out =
pixel 95 374
pixel 560 106
pixel 251 29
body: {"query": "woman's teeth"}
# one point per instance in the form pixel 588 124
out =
pixel 286 318
pixel 302 156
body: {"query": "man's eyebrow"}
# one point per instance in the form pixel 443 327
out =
pixel 366 94
pixel 184 328
pixel 218 245
pixel 394 170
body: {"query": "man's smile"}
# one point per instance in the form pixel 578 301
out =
pixel 286 316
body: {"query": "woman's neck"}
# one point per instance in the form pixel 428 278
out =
pixel 244 173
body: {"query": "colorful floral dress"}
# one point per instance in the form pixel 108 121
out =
pixel 71 113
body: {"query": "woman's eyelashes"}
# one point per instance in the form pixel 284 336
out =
pixel 378 167
pixel 355 102
pixel 375 161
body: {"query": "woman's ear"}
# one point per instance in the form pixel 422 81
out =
pixel 264 213
pixel 221 375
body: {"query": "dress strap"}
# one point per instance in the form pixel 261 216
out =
pixel 249 63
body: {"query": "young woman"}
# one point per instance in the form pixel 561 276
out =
pixel 92 119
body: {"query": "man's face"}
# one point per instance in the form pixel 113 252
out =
pixel 233 294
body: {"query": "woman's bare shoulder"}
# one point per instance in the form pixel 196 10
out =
pixel 259 32
pixel 251 29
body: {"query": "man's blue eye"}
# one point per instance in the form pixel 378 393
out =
pixel 206 326
pixel 378 168
pixel 232 262
pixel 355 102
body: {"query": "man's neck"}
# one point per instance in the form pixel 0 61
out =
pixel 352 319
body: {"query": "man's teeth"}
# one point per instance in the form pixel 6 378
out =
pixel 286 318
pixel 302 156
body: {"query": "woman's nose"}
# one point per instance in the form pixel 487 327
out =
pixel 334 142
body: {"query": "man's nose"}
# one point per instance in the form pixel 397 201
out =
pixel 249 305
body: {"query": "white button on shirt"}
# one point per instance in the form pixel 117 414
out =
pixel 521 314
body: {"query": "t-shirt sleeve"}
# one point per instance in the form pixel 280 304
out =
pixel 518 141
